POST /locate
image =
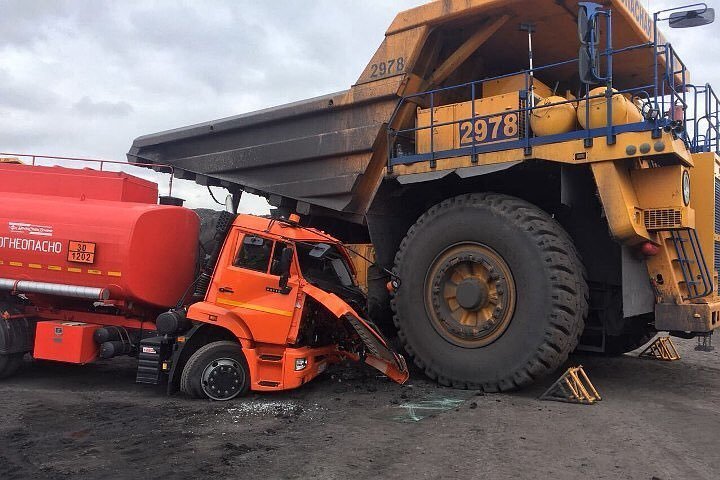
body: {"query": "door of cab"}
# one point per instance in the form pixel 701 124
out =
pixel 248 283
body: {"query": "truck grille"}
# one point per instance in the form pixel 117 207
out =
pixel 717 205
pixel 717 228
pixel 663 218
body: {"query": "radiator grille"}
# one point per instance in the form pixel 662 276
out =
pixel 663 219
pixel 717 205
pixel 717 261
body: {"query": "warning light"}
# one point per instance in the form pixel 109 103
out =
pixel 649 249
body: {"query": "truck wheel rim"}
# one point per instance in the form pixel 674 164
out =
pixel 470 295
pixel 223 379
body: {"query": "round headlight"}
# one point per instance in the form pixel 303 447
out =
pixel 686 187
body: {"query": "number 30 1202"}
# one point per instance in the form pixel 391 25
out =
pixel 486 130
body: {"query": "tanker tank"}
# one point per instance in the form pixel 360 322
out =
pixel 93 235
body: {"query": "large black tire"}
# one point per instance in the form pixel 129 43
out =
pixel 227 360
pixel 10 364
pixel 540 324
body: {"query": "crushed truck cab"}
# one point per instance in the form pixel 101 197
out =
pixel 291 323
pixel 92 267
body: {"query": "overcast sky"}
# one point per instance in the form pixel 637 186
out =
pixel 85 77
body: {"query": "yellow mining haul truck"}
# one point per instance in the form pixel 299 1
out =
pixel 532 176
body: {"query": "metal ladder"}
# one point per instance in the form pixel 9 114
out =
pixel 695 272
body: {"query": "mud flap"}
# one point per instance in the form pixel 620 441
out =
pixel 378 353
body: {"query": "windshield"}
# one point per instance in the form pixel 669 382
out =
pixel 324 263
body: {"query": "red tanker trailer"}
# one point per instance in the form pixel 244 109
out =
pixel 92 267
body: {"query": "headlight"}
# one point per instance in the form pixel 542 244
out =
pixel 686 188
pixel 300 364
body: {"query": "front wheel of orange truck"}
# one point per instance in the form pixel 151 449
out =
pixel 492 293
pixel 217 371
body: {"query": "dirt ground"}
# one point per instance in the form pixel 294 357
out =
pixel 657 421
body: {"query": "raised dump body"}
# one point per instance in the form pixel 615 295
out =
pixel 331 151
pixel 520 200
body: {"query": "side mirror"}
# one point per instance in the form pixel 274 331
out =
pixel 589 58
pixel 589 64
pixel 692 18
pixel 284 267
pixel 587 23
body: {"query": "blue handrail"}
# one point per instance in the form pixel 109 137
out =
pixel 692 112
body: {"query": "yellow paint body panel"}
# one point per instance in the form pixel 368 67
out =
pixel 513 84
pixel 703 179
pixel 489 120
pixel 620 202
pixel 362 265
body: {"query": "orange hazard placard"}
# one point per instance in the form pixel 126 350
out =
pixel 81 252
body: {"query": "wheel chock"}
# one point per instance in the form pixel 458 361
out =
pixel 704 343
pixel 573 386
pixel 661 349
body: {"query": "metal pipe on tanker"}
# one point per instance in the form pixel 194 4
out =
pixel 56 289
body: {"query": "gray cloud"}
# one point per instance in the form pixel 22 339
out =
pixel 88 106
pixel 24 96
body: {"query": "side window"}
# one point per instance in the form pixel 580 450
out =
pixel 277 253
pixel 254 253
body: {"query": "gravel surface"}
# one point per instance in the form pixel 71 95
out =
pixel 657 421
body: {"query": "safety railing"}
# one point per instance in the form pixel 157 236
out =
pixel 35 160
pixel 669 103
pixel 703 119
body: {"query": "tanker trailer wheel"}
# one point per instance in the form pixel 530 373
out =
pixel 492 293
pixel 10 364
pixel 217 371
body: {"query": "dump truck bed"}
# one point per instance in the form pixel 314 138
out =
pixel 313 150
pixel 330 152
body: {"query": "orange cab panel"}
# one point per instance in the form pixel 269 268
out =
pixel 70 342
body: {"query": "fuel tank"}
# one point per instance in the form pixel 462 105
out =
pixel 102 231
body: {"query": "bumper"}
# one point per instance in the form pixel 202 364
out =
pixel 273 368
pixel 699 318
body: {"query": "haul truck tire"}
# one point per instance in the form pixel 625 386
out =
pixel 217 371
pixel 492 295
